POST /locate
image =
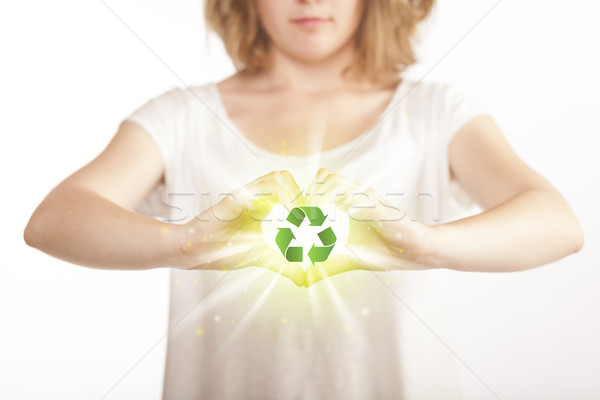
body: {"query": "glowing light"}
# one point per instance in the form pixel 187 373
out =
pixel 199 331
pixel 305 235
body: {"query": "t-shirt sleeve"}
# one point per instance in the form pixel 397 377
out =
pixel 161 118
pixel 457 107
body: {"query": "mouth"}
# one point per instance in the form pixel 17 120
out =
pixel 310 22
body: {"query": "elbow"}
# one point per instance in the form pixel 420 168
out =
pixel 33 233
pixel 573 233
pixel 571 230
pixel 29 235
pixel 578 239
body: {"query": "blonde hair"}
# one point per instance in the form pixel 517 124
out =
pixel 383 40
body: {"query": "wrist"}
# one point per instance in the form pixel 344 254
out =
pixel 430 236
pixel 433 235
pixel 181 243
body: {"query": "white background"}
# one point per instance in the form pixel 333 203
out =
pixel 71 71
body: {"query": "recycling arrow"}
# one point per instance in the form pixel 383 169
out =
pixel 320 254
pixel 316 218
pixel 314 214
pixel 283 239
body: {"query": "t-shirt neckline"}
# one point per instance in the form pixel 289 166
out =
pixel 342 148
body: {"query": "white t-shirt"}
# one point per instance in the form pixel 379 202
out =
pixel 252 334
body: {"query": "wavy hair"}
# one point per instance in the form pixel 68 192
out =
pixel 383 40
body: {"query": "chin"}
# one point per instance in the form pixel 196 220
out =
pixel 312 56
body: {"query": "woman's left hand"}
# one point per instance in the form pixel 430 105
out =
pixel 381 237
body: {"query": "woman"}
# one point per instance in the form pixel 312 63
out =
pixel 317 114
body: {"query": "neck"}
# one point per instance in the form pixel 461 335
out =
pixel 310 76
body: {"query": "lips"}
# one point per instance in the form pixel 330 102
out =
pixel 307 19
pixel 310 22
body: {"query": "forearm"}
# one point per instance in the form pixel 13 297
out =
pixel 530 230
pixel 81 227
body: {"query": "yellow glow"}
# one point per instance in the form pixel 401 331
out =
pixel 267 215
pixel 306 235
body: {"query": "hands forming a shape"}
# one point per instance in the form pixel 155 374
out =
pixel 229 235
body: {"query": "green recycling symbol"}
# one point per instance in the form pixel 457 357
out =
pixel 316 253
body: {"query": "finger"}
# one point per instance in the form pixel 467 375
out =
pixel 314 190
pixel 260 197
pixel 277 187
pixel 359 199
pixel 293 193
pixel 336 264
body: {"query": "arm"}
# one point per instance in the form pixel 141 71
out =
pixel 86 219
pixel 526 222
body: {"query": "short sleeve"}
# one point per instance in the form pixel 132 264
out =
pixel 161 117
pixel 459 106
pixel 456 107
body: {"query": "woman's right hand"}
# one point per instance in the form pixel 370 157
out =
pixel 228 235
